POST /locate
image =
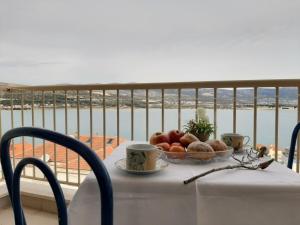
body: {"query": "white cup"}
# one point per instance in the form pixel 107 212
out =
pixel 142 157
pixel 235 140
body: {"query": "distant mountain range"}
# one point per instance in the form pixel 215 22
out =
pixel 265 96
pixel 287 96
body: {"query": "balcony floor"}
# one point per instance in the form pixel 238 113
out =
pixel 33 217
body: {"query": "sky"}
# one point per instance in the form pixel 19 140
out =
pixel 117 41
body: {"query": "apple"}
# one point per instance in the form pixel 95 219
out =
pixel 175 135
pixel 159 137
pixel 165 146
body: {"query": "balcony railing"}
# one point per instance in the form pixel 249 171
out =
pixel 104 115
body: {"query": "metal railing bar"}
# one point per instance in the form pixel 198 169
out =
pixel 54 128
pixel 78 135
pixel 118 117
pixel 91 118
pixel 254 116
pixel 132 115
pixel 234 110
pixel 43 125
pixel 179 108
pixel 215 112
pixel 196 102
pixel 147 114
pixel 104 124
pixel 12 126
pixel 276 121
pixel 163 110
pixel 66 132
pixel 22 124
pixel 33 124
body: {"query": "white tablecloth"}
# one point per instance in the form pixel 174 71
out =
pixel 233 197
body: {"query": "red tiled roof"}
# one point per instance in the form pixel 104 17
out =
pixel 65 158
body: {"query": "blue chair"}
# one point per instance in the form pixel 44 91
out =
pixel 13 178
pixel 293 146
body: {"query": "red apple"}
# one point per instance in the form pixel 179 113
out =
pixel 159 137
pixel 175 135
pixel 164 146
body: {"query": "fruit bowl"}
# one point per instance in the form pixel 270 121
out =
pixel 175 155
pixel 197 157
pixel 223 155
pixel 203 156
pixel 179 147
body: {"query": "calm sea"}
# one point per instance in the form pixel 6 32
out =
pixel 265 122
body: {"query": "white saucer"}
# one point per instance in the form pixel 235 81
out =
pixel 160 165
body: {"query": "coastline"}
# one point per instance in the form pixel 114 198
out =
pixel 264 107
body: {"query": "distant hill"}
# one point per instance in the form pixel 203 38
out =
pixel 2 84
pixel 8 85
pixel 287 96
pixel 265 96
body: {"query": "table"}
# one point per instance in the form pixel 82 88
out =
pixel 233 197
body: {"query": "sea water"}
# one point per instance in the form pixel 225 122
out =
pixel 224 122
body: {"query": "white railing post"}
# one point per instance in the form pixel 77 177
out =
pixel 276 121
pixel 104 123
pixel 162 110
pixel 254 116
pixel 179 108
pixel 118 117
pixel 234 110
pixel 12 126
pixel 78 134
pixel 54 128
pixel 33 124
pixel 132 114
pixel 215 112
pixel 66 132
pixel 147 114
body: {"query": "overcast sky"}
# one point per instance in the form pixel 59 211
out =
pixel 86 41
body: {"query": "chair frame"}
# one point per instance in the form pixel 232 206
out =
pixel 13 178
pixel 293 146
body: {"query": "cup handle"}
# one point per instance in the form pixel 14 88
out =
pixel 248 140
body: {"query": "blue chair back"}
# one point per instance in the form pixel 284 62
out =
pixel 12 178
pixel 293 146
